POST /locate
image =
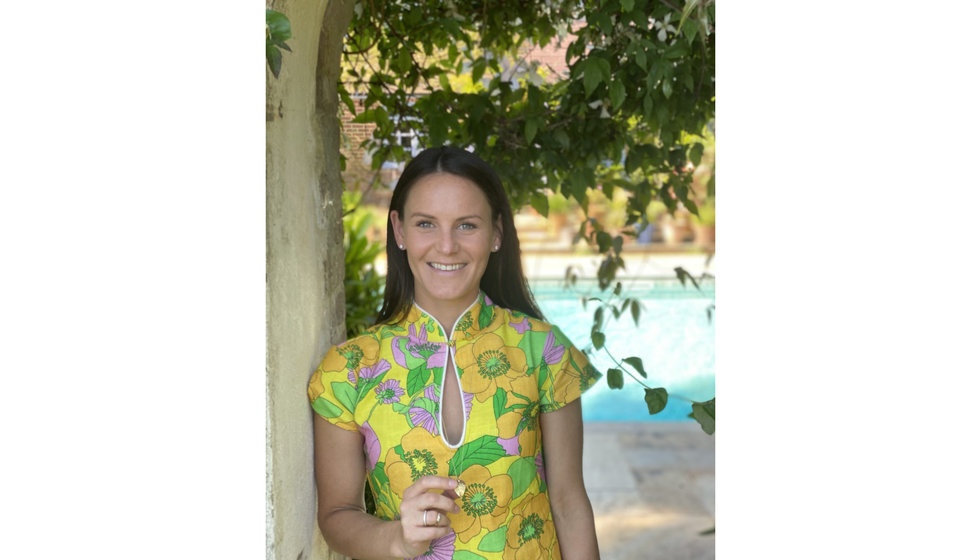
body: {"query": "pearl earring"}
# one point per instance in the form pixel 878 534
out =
pixel 402 247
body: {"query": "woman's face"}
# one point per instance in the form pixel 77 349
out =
pixel 448 234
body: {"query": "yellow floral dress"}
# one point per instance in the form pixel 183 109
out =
pixel 387 384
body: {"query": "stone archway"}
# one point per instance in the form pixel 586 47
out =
pixel 304 262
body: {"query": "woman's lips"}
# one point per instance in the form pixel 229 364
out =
pixel 446 267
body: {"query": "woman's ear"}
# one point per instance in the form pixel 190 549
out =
pixel 498 236
pixel 396 226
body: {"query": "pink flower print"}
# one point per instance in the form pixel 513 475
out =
pixel 510 445
pixel 430 393
pixel 389 391
pixel 372 447
pixel 467 403
pixel 522 326
pixel 442 548
pixel 371 372
pixel 419 346
pixel 424 418
pixel 539 463
pixel 552 353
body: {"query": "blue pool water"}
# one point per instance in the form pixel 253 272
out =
pixel 675 339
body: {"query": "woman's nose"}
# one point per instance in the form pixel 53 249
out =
pixel 447 243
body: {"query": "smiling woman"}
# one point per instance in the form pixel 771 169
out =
pixel 447 234
pixel 461 406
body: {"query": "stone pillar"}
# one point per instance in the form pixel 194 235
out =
pixel 304 262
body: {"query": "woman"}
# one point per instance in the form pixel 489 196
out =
pixel 461 406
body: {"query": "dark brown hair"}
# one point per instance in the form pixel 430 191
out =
pixel 503 280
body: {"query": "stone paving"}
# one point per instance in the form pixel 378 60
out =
pixel 652 487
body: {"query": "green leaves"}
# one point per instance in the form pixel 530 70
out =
pixel 628 92
pixel 617 94
pixel 595 70
pixel 614 377
pixel 656 399
pixel 479 68
pixel 277 30
pixel 637 364
pixel 704 413
pixel 598 340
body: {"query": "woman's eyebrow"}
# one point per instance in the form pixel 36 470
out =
pixel 431 217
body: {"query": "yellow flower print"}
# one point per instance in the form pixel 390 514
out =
pixel 488 364
pixel 530 533
pixel 352 355
pixel 484 504
pixel 417 459
pixel 577 378
pixel 519 428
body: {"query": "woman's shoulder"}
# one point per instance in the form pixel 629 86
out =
pixel 353 352
pixel 524 322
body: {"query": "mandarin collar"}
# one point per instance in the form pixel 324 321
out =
pixel 467 324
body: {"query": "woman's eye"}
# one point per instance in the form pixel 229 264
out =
pixel 467 226
pixel 424 224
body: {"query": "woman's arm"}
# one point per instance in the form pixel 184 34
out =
pixel 570 507
pixel 347 528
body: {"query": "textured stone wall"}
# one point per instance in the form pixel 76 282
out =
pixel 304 262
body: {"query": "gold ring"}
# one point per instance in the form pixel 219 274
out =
pixel 438 517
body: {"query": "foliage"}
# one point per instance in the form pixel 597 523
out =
pixel 363 286
pixel 277 30
pixel 632 111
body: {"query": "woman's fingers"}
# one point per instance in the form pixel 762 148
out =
pixel 427 483
pixel 434 518
pixel 424 512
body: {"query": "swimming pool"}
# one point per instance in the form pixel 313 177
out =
pixel 675 339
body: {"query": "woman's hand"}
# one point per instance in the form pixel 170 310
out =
pixel 424 514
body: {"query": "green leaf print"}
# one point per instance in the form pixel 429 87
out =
pixel 486 316
pixel 426 404
pixel 417 379
pixel 325 408
pixel 379 474
pixel 494 541
pixel 345 394
pixel 522 474
pixel 542 374
pixel 400 408
pixel 467 555
pixel 388 331
pixel 482 451
pixel 499 402
pixel 366 385
pixel 379 481
pixel 411 362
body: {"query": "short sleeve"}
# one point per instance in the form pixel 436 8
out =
pixel 569 373
pixel 331 394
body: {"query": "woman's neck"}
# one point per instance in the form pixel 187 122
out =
pixel 446 313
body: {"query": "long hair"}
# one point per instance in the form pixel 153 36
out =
pixel 503 280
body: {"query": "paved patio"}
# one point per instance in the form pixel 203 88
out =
pixel 652 488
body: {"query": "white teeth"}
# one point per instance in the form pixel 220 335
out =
pixel 447 267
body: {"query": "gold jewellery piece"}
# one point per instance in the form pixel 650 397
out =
pixel 460 488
